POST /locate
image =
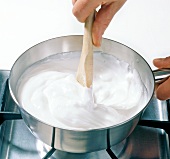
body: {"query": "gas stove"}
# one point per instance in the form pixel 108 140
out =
pixel 149 140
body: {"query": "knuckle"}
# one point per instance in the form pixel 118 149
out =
pixel 77 14
pixel 167 58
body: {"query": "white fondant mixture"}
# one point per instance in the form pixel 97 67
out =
pixel 49 91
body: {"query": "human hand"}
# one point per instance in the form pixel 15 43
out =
pixel 163 87
pixel 83 8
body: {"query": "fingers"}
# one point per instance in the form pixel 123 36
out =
pixel 163 90
pixel 83 8
pixel 74 1
pixel 103 18
pixel 162 62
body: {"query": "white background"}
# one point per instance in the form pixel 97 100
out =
pixel 143 25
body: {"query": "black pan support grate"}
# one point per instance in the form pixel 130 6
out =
pixel 4 115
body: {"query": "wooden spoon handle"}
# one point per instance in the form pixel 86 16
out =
pixel 85 68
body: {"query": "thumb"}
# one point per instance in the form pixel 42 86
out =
pixel 163 90
pixel 162 62
pixel 103 18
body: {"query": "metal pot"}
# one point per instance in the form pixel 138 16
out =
pixel 79 141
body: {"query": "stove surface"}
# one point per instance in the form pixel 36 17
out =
pixel 17 142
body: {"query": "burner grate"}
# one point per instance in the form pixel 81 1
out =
pixel 9 116
pixel 111 154
pixel 49 154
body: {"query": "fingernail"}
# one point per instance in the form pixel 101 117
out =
pixel 96 35
pixel 158 59
pixel 97 41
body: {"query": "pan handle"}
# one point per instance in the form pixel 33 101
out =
pixel 161 74
pixel 156 124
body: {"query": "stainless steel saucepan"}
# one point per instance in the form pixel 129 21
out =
pixel 79 141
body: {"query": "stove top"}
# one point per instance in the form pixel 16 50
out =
pixel 17 142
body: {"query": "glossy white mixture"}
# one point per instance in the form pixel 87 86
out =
pixel 49 91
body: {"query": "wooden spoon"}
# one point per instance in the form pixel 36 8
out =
pixel 85 69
